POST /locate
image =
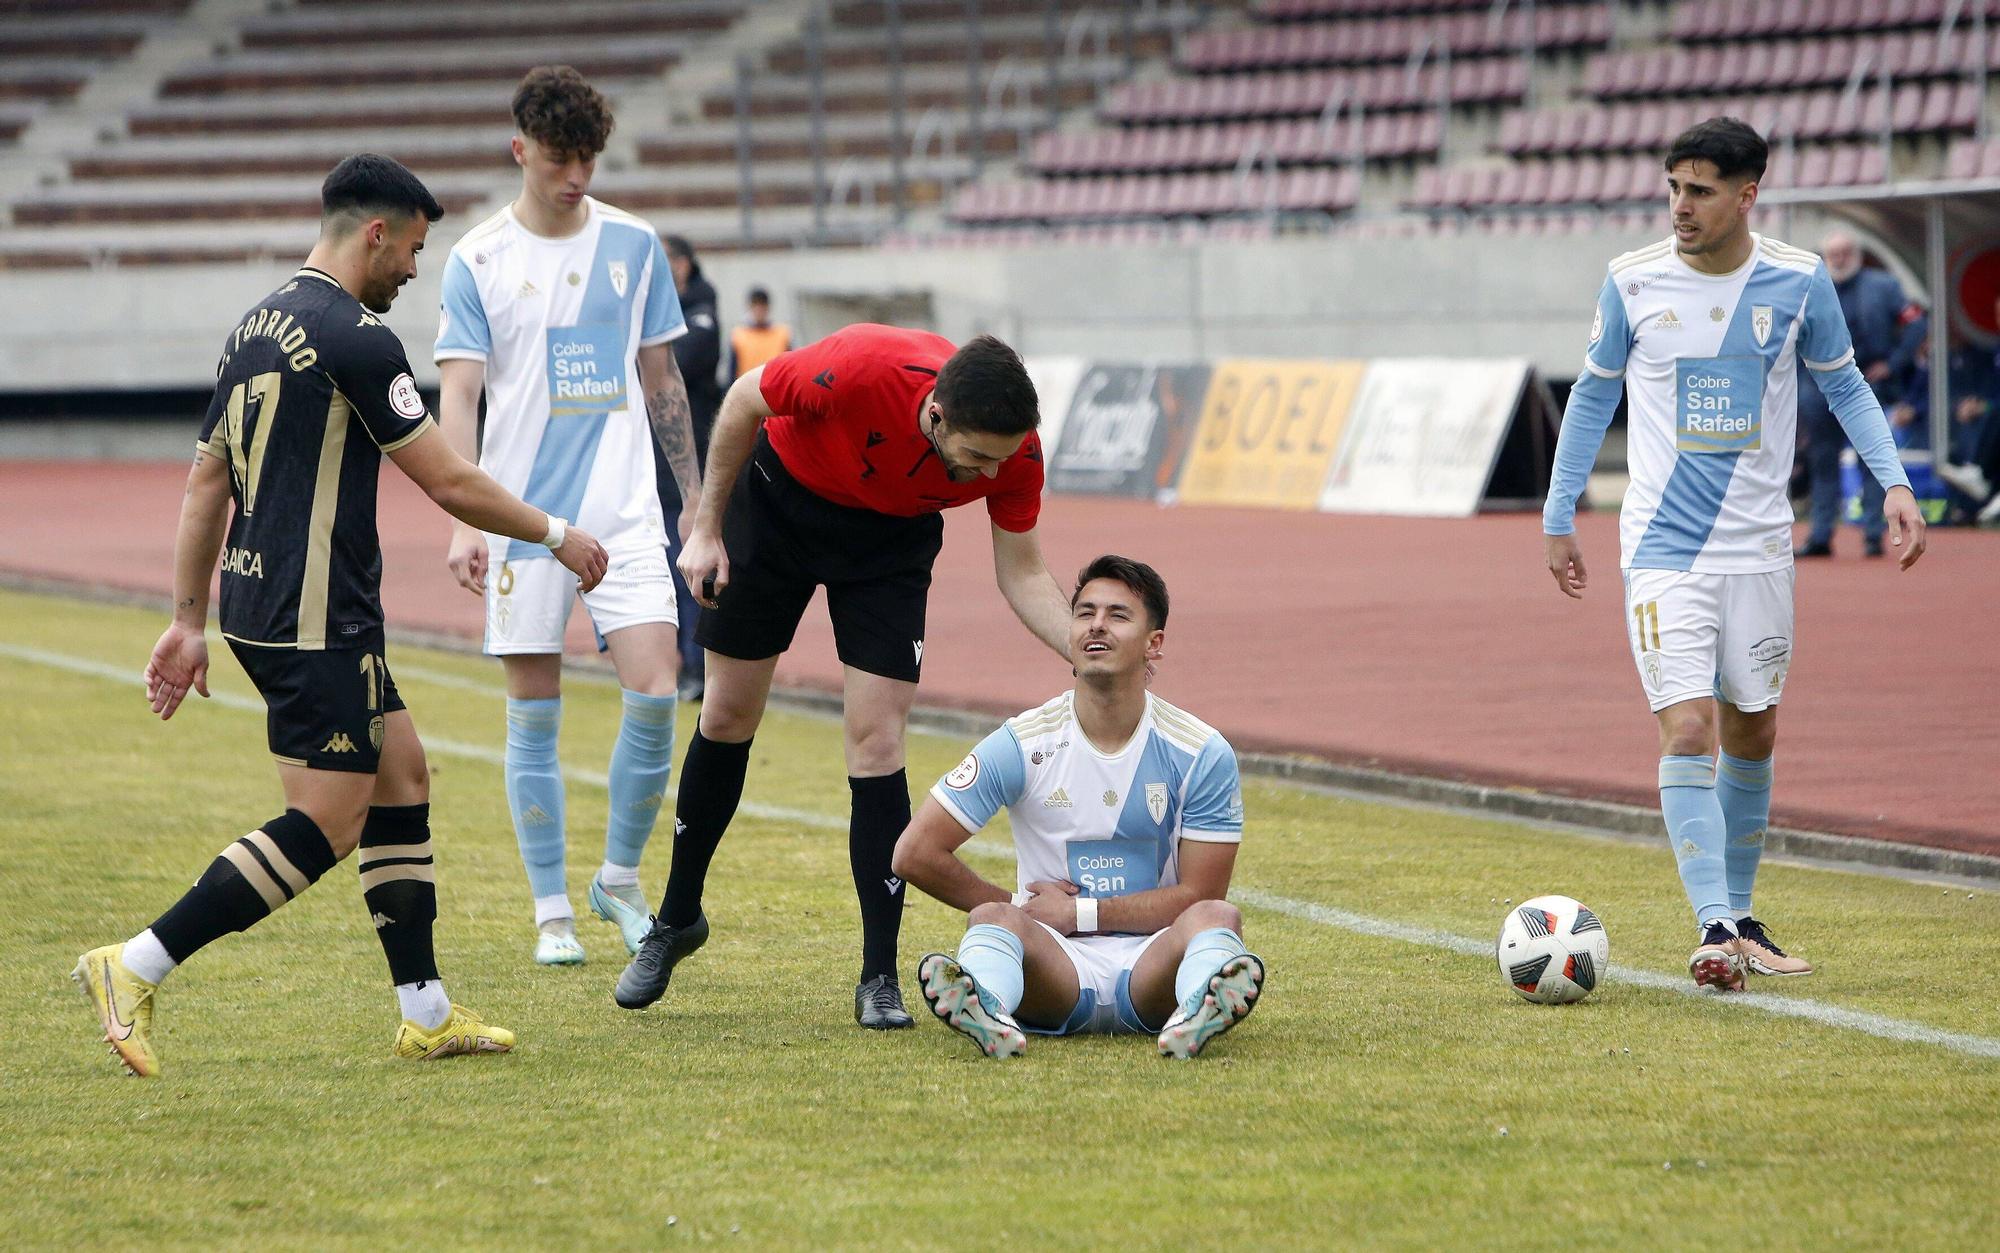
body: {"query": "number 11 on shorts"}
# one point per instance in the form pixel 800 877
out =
pixel 1647 615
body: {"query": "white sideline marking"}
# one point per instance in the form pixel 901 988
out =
pixel 1881 1026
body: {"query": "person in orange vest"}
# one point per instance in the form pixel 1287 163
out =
pixel 759 339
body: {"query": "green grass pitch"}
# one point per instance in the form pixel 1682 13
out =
pixel 1387 1093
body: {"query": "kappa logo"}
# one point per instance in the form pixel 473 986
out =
pixel 619 277
pixel 368 319
pixel 917 647
pixel 824 379
pixel 1058 799
pixel 1668 322
pixel 340 743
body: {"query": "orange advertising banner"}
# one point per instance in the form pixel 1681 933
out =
pixel 1268 432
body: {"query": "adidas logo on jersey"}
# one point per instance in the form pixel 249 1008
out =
pixel 527 289
pixel 1668 322
pixel 1058 799
pixel 338 744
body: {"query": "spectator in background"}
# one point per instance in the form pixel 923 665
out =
pixel 1876 311
pixel 1971 464
pixel 699 355
pixel 759 339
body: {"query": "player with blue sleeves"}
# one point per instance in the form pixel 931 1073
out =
pixel 1127 814
pixel 1708 331
pixel 562 309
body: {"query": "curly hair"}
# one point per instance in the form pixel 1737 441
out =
pixel 558 109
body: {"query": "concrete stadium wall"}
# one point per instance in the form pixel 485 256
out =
pixel 163 327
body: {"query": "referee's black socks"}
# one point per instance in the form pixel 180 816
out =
pixel 711 787
pixel 881 812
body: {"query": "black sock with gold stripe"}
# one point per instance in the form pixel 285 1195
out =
pixel 252 878
pixel 397 884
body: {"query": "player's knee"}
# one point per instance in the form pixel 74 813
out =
pixel 874 748
pixel 726 720
pixel 998 914
pixel 1207 915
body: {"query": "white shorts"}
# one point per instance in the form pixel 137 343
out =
pixel 1104 983
pixel 1723 635
pixel 528 602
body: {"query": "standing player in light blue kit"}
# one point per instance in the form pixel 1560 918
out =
pixel 563 310
pixel 1127 815
pixel 1709 329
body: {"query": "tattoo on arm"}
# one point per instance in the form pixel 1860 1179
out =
pixel 187 603
pixel 673 426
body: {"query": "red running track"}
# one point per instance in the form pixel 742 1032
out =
pixel 1429 646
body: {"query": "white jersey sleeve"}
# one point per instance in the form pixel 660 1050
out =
pixel 987 781
pixel 462 330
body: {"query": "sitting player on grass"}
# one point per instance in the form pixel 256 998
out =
pixel 1127 814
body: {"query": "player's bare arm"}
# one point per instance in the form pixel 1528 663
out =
pixel 704 563
pixel 180 658
pixel 1565 561
pixel 1906 522
pixel 1031 591
pixel 469 494
pixel 927 858
pixel 1205 867
pixel 672 418
pixel 460 381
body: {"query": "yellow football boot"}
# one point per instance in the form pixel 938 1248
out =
pixel 123 1003
pixel 463 1032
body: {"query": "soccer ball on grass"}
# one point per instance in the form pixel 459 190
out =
pixel 1552 950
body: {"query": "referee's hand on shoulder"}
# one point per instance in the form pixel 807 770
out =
pixel 583 556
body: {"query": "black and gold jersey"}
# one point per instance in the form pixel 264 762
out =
pixel 311 390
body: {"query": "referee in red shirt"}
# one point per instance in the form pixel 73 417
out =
pixel 841 457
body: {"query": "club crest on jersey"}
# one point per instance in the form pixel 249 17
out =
pixel 1156 802
pixel 1760 323
pixel 618 274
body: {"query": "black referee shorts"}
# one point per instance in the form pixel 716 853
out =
pixel 784 540
pixel 323 708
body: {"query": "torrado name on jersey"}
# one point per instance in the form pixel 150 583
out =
pixel 276 325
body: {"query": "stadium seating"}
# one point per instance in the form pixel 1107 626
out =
pixel 1624 179
pixel 1244 97
pixel 1711 20
pixel 1056 201
pixel 1915 109
pixel 1372 40
pixel 1780 64
pixel 1221 146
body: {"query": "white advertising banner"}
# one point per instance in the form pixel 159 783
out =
pixel 1055 380
pixel 1423 436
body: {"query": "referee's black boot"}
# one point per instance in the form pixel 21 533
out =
pixel 878 1004
pixel 645 979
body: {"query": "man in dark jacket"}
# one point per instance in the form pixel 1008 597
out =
pixel 1874 305
pixel 698 354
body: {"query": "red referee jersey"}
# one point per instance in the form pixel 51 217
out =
pixel 844 423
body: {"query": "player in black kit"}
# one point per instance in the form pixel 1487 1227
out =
pixel 312 389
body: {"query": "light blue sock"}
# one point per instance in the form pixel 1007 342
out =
pixel 535 790
pixel 995 958
pixel 640 763
pixel 1744 787
pixel 1695 826
pixel 1205 954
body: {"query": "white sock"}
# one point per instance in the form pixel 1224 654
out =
pixel 612 875
pixel 1741 914
pixel 424 1003
pixel 146 957
pixel 551 908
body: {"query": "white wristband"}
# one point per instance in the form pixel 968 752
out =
pixel 558 531
pixel 1086 915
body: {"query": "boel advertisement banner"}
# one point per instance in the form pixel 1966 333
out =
pixel 1268 431
pixel 1055 381
pixel 1424 436
pixel 1128 430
